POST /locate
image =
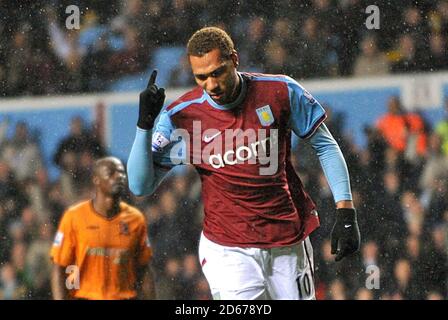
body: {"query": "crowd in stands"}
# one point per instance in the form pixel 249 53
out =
pixel 304 39
pixel 399 184
pixel 399 181
pixel 400 187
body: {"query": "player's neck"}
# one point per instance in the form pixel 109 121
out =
pixel 106 206
pixel 237 90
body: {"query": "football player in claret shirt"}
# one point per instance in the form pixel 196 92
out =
pixel 235 128
pixel 101 249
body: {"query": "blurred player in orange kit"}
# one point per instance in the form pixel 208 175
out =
pixel 101 249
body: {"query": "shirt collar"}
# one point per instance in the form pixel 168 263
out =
pixel 233 104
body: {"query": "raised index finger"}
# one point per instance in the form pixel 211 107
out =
pixel 152 78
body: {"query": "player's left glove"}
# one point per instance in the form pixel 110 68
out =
pixel 150 103
pixel 345 235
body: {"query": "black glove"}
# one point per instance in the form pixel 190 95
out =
pixel 345 233
pixel 150 104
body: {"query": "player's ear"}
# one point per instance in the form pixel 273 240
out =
pixel 235 58
pixel 95 180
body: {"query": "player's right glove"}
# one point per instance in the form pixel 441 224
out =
pixel 150 104
pixel 345 235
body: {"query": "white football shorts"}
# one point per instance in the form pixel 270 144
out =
pixel 234 273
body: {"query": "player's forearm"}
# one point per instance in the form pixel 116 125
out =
pixel 58 283
pixel 333 165
pixel 146 286
pixel 140 164
pixel 345 204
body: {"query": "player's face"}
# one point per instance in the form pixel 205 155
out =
pixel 394 105
pixel 111 178
pixel 217 76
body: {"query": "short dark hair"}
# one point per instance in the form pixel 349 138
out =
pixel 209 38
pixel 105 161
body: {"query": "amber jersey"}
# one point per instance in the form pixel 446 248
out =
pixel 103 253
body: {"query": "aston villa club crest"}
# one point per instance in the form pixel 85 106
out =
pixel 265 115
pixel 124 228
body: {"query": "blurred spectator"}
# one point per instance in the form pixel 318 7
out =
pixel 189 277
pixel 282 32
pixel 16 232
pixel 252 49
pixel 3 234
pixel 132 12
pixel 345 23
pixel 393 225
pixel 57 202
pixel 364 294
pixel 323 10
pixel 310 54
pixel 18 261
pixel 434 264
pixel 442 10
pixel 374 155
pixel 129 59
pixel 415 26
pixel 393 162
pixel 77 152
pixel 30 224
pixel 326 268
pixel 337 291
pixel 168 283
pixel 437 59
pixel 404 286
pixel 415 255
pixel 181 75
pixel 202 289
pixel 66 47
pixel 437 205
pixel 370 254
pixel 433 183
pixel 95 69
pixel 434 296
pixel 277 61
pixel 441 128
pixel 21 153
pixel 371 61
pixel 10 288
pixel 36 190
pixel 11 195
pixel 414 213
pixel 18 58
pixel 403 131
pixel 38 264
pixel 370 261
pixel 436 167
pixel 171 229
pixel 407 60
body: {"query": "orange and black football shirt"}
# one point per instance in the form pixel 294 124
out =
pixel 103 253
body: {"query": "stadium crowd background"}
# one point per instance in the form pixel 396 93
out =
pixel 400 186
pixel 304 39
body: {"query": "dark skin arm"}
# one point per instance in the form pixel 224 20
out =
pixel 145 283
pixel 58 287
pixel 345 204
